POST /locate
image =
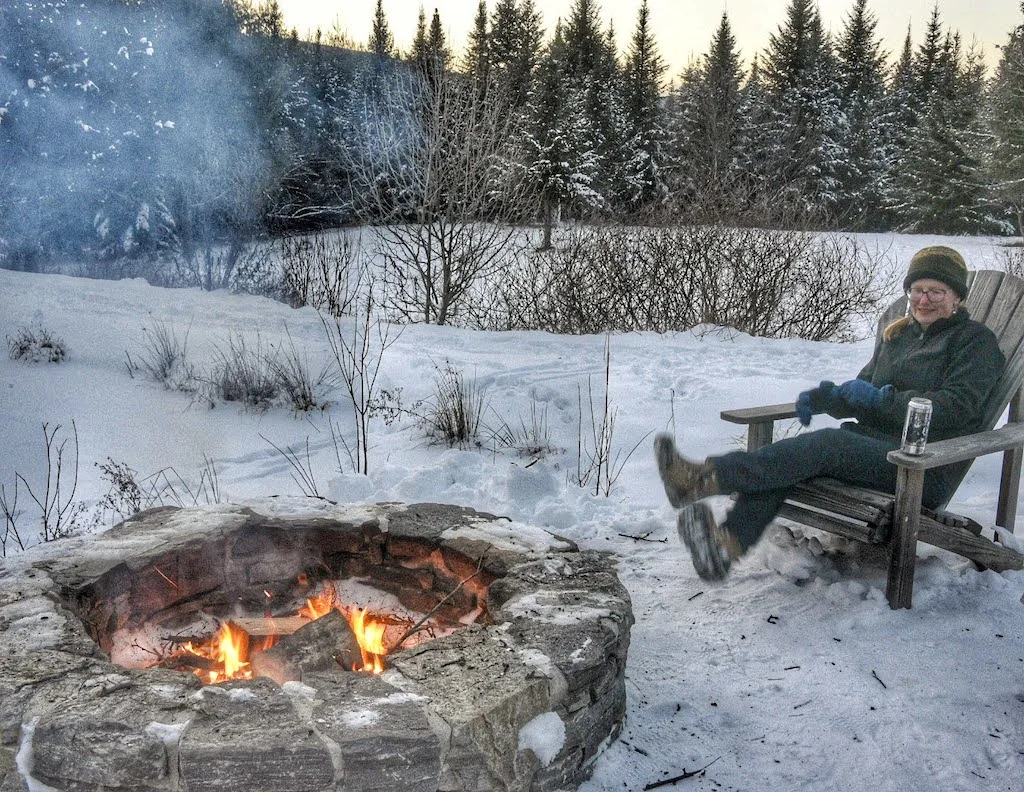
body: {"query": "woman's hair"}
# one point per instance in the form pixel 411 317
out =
pixel 895 327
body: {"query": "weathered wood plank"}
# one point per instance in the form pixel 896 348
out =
pixel 957 449
pixel 1009 479
pixel 825 522
pixel 981 549
pixel 899 588
pixel 760 435
pixel 753 415
pixel 856 503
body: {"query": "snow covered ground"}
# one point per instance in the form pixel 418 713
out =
pixel 793 675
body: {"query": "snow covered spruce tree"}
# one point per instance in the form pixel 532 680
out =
pixel 560 154
pixel 514 49
pixel 1006 121
pixel 805 125
pixel 870 119
pixel 706 128
pixel 645 169
pixel 939 178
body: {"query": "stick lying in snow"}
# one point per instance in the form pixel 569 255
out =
pixel 683 777
pixel 642 538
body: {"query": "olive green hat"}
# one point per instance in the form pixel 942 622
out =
pixel 940 263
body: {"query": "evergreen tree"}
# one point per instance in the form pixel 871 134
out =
pixel 806 124
pixel 584 43
pixel 709 127
pixel 870 140
pixel 382 41
pixel 515 46
pixel 1006 122
pixel 560 162
pixel 643 87
pixel 438 52
pixel 477 60
pixel 939 184
pixel 420 52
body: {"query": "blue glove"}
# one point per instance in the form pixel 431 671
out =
pixel 861 393
pixel 816 401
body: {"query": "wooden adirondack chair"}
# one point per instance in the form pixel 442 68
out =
pixel 899 521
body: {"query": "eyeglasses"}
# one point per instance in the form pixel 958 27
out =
pixel 933 295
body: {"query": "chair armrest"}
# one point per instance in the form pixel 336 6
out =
pixel 756 415
pixel 957 449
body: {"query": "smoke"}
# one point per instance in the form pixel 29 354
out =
pixel 123 125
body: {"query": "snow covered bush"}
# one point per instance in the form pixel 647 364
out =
pixel 36 345
pixel 774 284
pixel 322 270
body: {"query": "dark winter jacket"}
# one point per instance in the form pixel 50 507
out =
pixel 955 363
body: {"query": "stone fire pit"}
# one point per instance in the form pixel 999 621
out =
pixel 524 697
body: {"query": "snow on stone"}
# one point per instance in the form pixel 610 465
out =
pixel 508 535
pixel 544 735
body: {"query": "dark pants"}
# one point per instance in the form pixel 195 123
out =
pixel 763 478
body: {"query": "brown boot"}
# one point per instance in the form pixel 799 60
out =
pixel 712 548
pixel 685 481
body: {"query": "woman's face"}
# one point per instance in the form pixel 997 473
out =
pixel 930 300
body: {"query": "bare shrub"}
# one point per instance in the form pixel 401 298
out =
pixel 453 416
pixel 302 468
pixel 36 345
pixel 358 346
pixel 599 461
pixel 529 437
pixel 1012 259
pixel 323 271
pixel 767 283
pixel 60 515
pixel 163 358
pixel 244 373
pixel 128 493
pixel 305 390
pixel 432 165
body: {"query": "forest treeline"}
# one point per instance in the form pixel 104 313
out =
pixel 139 128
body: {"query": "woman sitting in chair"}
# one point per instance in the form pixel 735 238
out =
pixel 936 352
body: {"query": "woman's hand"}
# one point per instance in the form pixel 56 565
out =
pixel 816 401
pixel 861 393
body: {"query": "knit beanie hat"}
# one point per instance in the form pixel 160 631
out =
pixel 939 263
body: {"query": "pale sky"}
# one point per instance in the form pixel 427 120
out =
pixel 683 28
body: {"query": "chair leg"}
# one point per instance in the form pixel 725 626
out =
pixel 903 545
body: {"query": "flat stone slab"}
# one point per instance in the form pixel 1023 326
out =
pixel 549 646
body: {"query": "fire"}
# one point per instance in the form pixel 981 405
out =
pixel 227 653
pixel 370 635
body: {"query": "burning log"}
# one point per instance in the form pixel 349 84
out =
pixel 270 626
pixel 321 645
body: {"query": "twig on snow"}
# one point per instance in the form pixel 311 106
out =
pixel 683 777
pixel 642 537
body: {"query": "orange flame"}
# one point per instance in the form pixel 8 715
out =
pixel 229 650
pixel 370 635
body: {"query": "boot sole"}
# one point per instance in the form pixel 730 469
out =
pixel 665 453
pixel 696 526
